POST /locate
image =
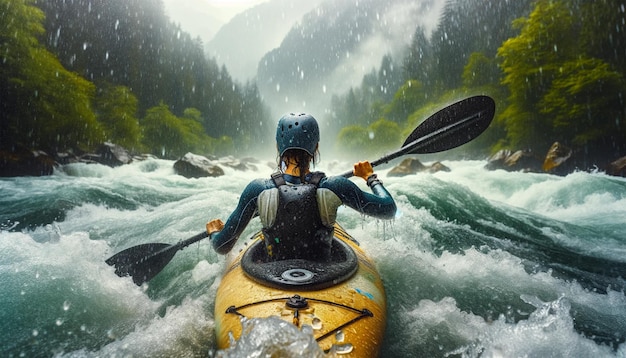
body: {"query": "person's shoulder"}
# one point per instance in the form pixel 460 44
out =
pixel 336 182
pixel 258 185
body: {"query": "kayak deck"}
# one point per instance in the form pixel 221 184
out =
pixel 345 308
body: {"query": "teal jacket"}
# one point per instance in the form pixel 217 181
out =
pixel 378 204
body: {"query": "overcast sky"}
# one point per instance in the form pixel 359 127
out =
pixel 205 17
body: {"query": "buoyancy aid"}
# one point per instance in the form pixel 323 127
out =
pixel 297 231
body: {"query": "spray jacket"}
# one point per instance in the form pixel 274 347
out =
pixel 262 197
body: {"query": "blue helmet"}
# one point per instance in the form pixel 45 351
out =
pixel 297 131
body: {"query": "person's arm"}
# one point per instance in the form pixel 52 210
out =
pixel 379 203
pixel 224 236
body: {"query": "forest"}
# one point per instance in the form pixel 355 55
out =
pixel 75 74
pixel 556 69
pixel 78 73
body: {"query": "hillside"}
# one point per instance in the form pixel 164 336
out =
pixel 244 40
pixel 335 45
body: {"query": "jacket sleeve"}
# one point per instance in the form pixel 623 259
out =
pixel 379 203
pixel 223 241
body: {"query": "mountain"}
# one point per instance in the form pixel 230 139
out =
pixel 247 37
pixel 335 45
pixel 197 17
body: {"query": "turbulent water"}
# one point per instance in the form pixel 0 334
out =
pixel 476 263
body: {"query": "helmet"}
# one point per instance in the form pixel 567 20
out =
pixel 297 131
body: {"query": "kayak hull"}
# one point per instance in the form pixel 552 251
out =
pixel 347 314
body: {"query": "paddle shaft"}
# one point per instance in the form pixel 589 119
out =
pixel 192 240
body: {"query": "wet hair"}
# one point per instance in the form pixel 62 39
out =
pixel 302 159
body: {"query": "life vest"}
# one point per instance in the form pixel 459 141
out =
pixel 297 231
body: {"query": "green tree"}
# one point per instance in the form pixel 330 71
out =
pixel 116 108
pixel 163 133
pixel 530 63
pixel 353 140
pixel 385 135
pixel 408 98
pixel 558 90
pixel 585 103
pixel 41 103
pixel 480 71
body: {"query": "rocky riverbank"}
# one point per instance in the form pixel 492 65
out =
pixel 560 160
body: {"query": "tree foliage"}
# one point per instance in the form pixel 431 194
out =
pixel 81 72
pixel 555 68
pixel 116 108
pixel 558 90
pixel 41 103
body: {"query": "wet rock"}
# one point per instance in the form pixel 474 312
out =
pixel 20 161
pixel 113 155
pixel 557 155
pixel 521 160
pixel 196 166
pixel 238 164
pixel 412 166
pixel 438 167
pixel 617 168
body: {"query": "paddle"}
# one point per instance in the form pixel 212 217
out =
pixel 449 128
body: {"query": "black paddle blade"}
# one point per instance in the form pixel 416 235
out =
pixel 142 262
pixel 452 126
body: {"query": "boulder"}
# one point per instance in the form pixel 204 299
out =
pixel 617 168
pixel 557 155
pixel 411 166
pixel 113 155
pixel 438 167
pixel 238 164
pixel 521 160
pixel 196 166
pixel 20 161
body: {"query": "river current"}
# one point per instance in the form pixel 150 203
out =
pixel 476 263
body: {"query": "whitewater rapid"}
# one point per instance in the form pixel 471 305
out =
pixel 476 263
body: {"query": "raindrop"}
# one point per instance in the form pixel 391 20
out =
pixel 323 88
pixel 343 348
pixel 59 322
pixel 340 336
pixel 35 333
pixel 371 135
pixel 278 87
pixel 117 24
pixel 316 323
pixel 66 305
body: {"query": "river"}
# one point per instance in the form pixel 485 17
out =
pixel 476 263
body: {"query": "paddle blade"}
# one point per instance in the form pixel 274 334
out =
pixel 452 126
pixel 142 262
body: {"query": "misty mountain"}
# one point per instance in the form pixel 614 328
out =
pixel 302 52
pixel 335 45
pixel 247 37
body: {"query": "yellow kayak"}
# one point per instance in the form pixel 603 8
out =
pixel 343 301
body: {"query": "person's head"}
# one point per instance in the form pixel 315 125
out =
pixel 297 139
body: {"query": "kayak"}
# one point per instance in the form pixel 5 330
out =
pixel 343 301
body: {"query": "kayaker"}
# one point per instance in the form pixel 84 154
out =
pixel 298 207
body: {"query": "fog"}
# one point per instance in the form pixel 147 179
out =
pixel 259 27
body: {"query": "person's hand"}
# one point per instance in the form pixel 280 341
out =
pixel 214 226
pixel 363 170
